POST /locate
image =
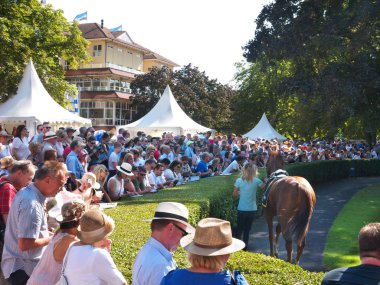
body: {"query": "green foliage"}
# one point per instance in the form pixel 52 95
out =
pixel 320 171
pixel 363 208
pixel 367 167
pixel 323 57
pixel 205 100
pixel 30 30
pixel 208 197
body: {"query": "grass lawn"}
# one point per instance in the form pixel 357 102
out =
pixel 342 244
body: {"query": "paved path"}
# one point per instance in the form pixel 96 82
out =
pixel 331 197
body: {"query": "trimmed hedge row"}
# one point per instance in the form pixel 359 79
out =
pixel 205 198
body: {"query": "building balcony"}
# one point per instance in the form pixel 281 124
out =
pixel 105 88
pixel 111 65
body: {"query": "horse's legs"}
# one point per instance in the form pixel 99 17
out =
pixel 300 250
pixel 278 232
pixel 289 249
pixel 270 230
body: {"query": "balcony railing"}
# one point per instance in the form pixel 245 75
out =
pixel 106 88
pixel 114 66
pixel 108 122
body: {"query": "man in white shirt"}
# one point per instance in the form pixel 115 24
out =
pixel 234 166
pixel 155 260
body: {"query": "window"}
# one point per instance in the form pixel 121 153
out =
pixel 97 50
pixel 100 112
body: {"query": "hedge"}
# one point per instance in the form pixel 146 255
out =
pixel 329 170
pixel 205 198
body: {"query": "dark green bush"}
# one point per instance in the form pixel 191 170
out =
pixel 320 171
pixel 366 167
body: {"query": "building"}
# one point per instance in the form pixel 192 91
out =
pixel 104 83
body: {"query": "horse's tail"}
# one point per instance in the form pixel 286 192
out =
pixel 299 224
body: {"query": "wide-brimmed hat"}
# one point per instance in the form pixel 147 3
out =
pixel 50 135
pixel 212 237
pixel 173 211
pixel 125 168
pixel 94 226
pixel 4 134
pixel 7 161
pixel 71 211
pixel 89 178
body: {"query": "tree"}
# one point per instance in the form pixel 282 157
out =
pixel 30 30
pixel 205 100
pixel 331 49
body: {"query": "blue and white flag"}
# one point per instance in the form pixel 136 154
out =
pixel 119 28
pixel 73 106
pixel 81 17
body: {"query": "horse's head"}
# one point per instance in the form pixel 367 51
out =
pixel 275 162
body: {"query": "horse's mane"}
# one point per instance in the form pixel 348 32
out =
pixel 275 162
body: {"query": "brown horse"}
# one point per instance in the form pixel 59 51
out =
pixel 292 200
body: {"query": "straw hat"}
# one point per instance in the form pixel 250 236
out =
pixel 125 168
pixel 71 211
pixel 50 135
pixel 89 178
pixel 212 237
pixel 94 226
pixel 173 211
pixel 7 161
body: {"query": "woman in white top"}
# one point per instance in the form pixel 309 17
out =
pixel 89 262
pixel 49 268
pixel 115 185
pixel 20 145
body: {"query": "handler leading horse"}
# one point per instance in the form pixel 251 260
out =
pixel 292 200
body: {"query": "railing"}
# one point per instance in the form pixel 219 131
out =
pixel 108 122
pixel 106 88
pixel 111 65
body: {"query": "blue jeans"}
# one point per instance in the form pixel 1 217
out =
pixel 244 224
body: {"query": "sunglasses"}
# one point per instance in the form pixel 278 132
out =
pixel 184 233
pixel 142 174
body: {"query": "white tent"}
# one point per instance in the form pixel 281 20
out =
pixel 165 116
pixel 33 105
pixel 264 130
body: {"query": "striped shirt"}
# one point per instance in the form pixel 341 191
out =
pixel 27 219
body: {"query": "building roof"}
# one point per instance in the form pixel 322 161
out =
pixel 95 31
pixel 98 71
pixel 156 56
pixel 101 95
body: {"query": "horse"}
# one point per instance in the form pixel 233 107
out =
pixel 292 200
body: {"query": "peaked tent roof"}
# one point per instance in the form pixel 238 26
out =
pixel 166 115
pixel 33 103
pixel 264 130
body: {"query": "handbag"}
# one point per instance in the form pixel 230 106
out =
pixel 237 278
pixel 63 280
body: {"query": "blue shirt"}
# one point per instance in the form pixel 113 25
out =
pixel 248 190
pixel 74 165
pixel 27 219
pixel 186 277
pixel 202 167
pixel 152 263
pixel 189 152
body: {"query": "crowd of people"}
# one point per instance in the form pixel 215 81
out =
pixel 65 174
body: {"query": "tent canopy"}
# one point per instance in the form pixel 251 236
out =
pixel 264 130
pixel 33 104
pixel 168 116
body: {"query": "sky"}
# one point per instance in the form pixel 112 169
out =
pixel 208 34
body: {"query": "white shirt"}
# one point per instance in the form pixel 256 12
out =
pixel 152 263
pixel 233 166
pixel 88 265
pixel 113 158
pixel 21 148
